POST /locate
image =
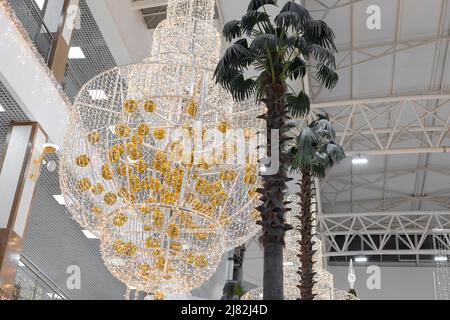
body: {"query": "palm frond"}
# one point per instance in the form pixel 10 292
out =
pixel 253 18
pixel 299 105
pixel 322 115
pixel 327 76
pixel 232 30
pixel 306 144
pixel 322 55
pixel 318 32
pixel 298 9
pixel 260 86
pixel 242 88
pixel 256 4
pixel 225 75
pixel 335 153
pixel 237 55
pixel 288 20
pixel 325 128
pixel 297 42
pixel 296 69
pixel 263 43
pixel 320 164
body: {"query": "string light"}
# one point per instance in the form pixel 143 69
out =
pixel 17 32
pixel 441 242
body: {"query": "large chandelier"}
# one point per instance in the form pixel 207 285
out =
pixel 160 163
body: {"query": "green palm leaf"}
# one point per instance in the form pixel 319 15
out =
pixel 306 143
pixel 298 105
pixel 296 69
pixel 335 153
pixel 232 30
pixel 242 88
pixel 296 42
pixel 327 76
pixel 325 127
pixel 253 18
pixel 256 4
pixel 237 55
pixel 322 54
pixel 293 15
pixel 225 76
pixel 264 43
pixel 318 32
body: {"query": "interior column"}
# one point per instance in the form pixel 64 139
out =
pixel 60 50
pixel 20 164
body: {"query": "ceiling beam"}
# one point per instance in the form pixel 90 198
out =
pixel 143 4
pixel 328 104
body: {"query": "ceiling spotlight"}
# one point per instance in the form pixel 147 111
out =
pixel 360 259
pixel 40 4
pixel 440 258
pixel 76 53
pixel 360 160
pixel 51 165
pixel 60 199
pixel 439 230
pixel 89 234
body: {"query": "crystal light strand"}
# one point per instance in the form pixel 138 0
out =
pixel 163 222
pixel 441 243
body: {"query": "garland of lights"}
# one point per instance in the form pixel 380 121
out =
pixel 16 26
pixel 441 242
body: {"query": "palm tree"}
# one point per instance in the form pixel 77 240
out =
pixel 315 151
pixel 277 52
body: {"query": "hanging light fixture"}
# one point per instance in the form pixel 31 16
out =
pixel 148 167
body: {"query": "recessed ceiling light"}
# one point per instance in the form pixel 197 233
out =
pixel 439 230
pixel 1 108
pixel 60 199
pixel 76 53
pixel 440 258
pixel 360 160
pixel 98 94
pixel 361 259
pixel 40 4
pixel 89 234
pixel 288 264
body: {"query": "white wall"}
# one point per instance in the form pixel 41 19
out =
pixel 397 283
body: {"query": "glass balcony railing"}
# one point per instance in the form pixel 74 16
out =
pixel 31 284
pixel 31 17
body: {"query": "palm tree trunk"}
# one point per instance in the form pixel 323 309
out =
pixel 272 194
pixel 307 252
